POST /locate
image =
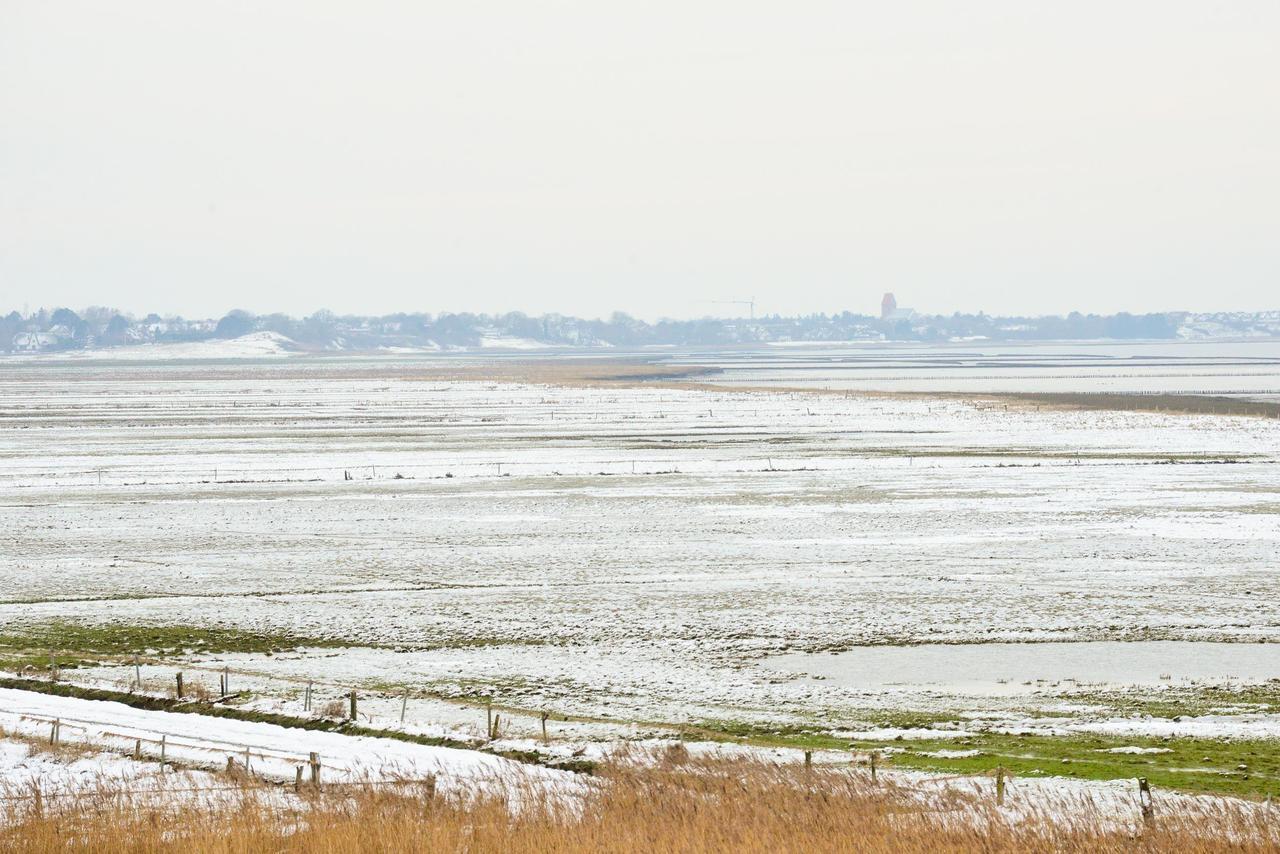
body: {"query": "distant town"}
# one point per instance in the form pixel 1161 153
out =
pixel 64 329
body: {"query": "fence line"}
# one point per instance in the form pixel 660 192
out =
pixel 228 747
pixel 98 793
pixel 343 691
pixel 1001 775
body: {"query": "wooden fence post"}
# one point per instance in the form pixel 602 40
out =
pixel 314 762
pixel 137 749
pixel 1000 786
pixel 1145 802
pixel 353 704
pixel 137 673
pixel 873 766
pixel 297 779
pixel 404 704
pixel 306 700
pixel 808 759
pixel 545 715
pixel 179 691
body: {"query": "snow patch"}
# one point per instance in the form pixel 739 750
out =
pixel 251 346
pixel 506 342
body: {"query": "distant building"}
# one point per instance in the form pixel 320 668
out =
pixel 889 309
pixel 34 341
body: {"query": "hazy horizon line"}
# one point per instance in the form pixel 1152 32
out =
pixel 27 311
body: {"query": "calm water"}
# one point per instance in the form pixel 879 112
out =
pixel 1005 668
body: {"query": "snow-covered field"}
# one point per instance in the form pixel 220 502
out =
pixel 630 553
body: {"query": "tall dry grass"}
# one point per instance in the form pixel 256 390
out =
pixel 701 806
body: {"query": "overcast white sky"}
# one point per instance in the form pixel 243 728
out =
pixel 581 157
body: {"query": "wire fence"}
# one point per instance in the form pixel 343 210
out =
pixel 232 750
pixel 874 761
pixel 46 796
pixel 871 762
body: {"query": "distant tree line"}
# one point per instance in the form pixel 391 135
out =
pixel 64 329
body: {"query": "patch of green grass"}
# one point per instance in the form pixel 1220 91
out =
pixel 1245 768
pixel 1191 764
pixel 772 735
pixel 813 736
pixel 78 644
pixel 1178 701
pixel 74 645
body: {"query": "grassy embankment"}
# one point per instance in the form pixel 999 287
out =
pixel 1249 768
pixel 1246 768
pixel 673 805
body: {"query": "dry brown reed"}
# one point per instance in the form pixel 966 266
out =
pixel 691 805
pixel 333 709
